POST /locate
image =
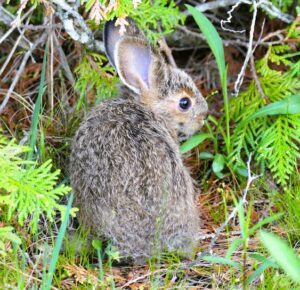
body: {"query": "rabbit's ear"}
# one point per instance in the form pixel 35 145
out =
pixel 133 61
pixel 111 36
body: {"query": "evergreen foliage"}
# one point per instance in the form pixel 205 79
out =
pixel 273 139
pixel 147 14
pixel 93 76
pixel 27 190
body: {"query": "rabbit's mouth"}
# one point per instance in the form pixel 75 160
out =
pixel 182 136
pixel 187 131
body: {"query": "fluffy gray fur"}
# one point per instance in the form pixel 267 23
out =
pixel 126 170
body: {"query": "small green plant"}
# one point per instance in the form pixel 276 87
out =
pixel 27 190
pixel 215 43
pixel 93 76
pixel 37 108
pixel 112 255
pixel 274 140
pixel 48 276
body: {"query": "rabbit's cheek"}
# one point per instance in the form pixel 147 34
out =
pixel 200 120
pixel 189 129
pixel 194 127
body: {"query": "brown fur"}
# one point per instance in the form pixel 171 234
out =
pixel 128 177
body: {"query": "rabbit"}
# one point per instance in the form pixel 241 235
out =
pixel 126 170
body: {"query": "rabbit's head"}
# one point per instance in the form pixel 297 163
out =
pixel 166 90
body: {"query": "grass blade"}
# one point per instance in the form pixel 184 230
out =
pixel 263 259
pixel 193 142
pixel 265 265
pixel 37 107
pixel 212 37
pixel 97 245
pixel 235 244
pixel 242 221
pixel 283 254
pixel 221 260
pixel 215 43
pixel 288 106
pixel 58 244
pixel 263 222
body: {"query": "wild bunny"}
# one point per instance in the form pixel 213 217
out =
pixel 128 177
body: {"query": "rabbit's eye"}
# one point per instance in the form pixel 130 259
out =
pixel 184 104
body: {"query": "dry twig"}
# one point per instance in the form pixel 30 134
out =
pixel 12 51
pixel 15 24
pixel 63 61
pixel 228 20
pixel 240 77
pixel 39 41
pixel 256 79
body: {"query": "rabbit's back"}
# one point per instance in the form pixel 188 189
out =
pixel 129 181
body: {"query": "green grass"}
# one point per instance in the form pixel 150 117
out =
pixel 48 276
pixel 37 108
